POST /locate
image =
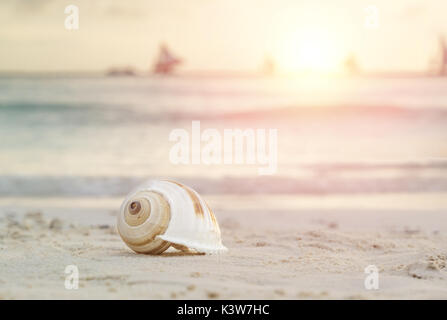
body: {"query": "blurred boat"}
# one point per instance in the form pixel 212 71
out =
pixel 121 72
pixel 438 63
pixel 351 66
pixel 443 56
pixel 268 68
pixel 166 62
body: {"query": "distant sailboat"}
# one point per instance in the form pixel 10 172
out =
pixel 268 67
pixel 443 57
pixel 121 72
pixel 166 61
pixel 438 63
pixel 350 65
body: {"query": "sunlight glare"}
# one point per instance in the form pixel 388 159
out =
pixel 308 51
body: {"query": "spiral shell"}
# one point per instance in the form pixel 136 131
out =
pixel 162 213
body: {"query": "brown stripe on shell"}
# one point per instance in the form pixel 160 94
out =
pixel 194 198
pixel 213 217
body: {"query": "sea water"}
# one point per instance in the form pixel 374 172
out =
pixel 95 135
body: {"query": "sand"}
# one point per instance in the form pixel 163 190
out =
pixel 303 252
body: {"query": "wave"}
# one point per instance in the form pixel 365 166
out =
pixel 29 186
pixel 49 113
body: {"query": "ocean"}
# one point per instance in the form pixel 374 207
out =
pixel 100 136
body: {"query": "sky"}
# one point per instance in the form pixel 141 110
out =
pixel 221 35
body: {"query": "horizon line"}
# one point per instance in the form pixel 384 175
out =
pixel 217 73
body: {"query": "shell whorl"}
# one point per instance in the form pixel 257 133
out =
pixel 143 217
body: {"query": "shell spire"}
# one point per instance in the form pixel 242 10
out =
pixel 162 213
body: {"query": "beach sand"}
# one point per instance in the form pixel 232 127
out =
pixel 300 251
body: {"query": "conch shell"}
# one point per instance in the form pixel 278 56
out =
pixel 162 213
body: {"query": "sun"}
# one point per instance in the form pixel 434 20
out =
pixel 308 51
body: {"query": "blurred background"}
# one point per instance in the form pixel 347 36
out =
pixel 356 89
